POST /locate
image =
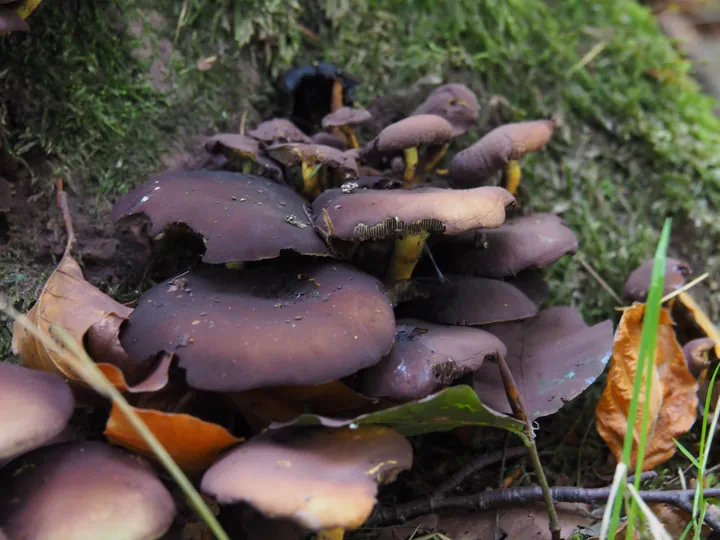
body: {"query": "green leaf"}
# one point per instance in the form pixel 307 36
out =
pixel 687 453
pixel 453 407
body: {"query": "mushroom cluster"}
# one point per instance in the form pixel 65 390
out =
pixel 335 278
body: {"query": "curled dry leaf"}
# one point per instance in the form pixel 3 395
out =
pixel 194 444
pixel 673 400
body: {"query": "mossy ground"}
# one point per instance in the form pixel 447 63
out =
pixel 84 96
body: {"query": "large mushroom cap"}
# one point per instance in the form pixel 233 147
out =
pixel 240 217
pixel 346 116
pixel 475 164
pixel 321 478
pixel 638 282
pixel 278 130
pixel 533 241
pixel 83 491
pixel 374 214
pixel 315 154
pixel 456 103
pixel 427 357
pixel 34 408
pixel 300 324
pixel 413 131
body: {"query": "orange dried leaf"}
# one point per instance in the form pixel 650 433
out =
pixel 673 400
pixel 194 444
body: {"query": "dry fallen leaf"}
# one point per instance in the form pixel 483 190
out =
pixel 194 444
pixel 673 400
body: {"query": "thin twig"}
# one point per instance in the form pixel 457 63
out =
pixel 687 506
pixel 604 284
pixel 476 464
pixel 498 498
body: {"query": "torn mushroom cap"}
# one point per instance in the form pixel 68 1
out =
pixel 696 354
pixel 414 131
pixel 83 491
pixel 278 130
pixel 475 164
pixel 375 215
pixel 638 283
pixel 305 323
pixel 246 147
pixel 34 407
pixel 315 154
pixel 456 103
pixel 346 116
pixel 321 478
pixel 427 357
pixel 533 241
pixel 468 301
pixel 324 138
pixel 240 217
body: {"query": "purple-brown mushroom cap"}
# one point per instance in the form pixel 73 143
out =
pixel 304 323
pixel 427 357
pixel 278 130
pixel 346 116
pixel 638 282
pixel 314 154
pixel 245 147
pixel 696 354
pixel 10 21
pixel 83 491
pixel 34 408
pixel 324 138
pixel 456 103
pixel 413 131
pixel 240 217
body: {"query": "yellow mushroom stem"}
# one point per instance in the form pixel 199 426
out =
pixel 411 159
pixel 701 319
pixel 512 176
pixel 435 159
pixel 310 180
pixel 350 135
pixel 337 533
pixel 407 253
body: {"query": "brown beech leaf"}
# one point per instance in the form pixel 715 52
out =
pixel 673 400
pixel 194 444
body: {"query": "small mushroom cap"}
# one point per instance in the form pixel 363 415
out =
pixel 34 408
pixel 427 357
pixel 638 283
pixel 696 354
pixel 375 215
pixel 314 154
pixel 475 164
pixel 346 116
pixel 240 217
pixel 83 491
pixel 321 478
pixel 469 301
pixel 323 138
pixel 278 130
pixel 454 102
pixel 422 129
pixel 295 324
pixel 532 241
pixel 245 146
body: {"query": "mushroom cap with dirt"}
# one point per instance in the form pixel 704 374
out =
pixel 35 407
pixel 638 282
pixel 293 324
pixel 83 491
pixel 240 217
pixel 278 130
pixel 474 165
pixel 346 116
pixel 456 103
pixel 427 357
pixel 320 478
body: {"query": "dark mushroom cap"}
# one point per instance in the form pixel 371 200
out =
pixel 374 214
pixel 638 282
pixel 695 352
pixel 427 357
pixel 83 491
pixel 246 147
pixel 314 154
pixel 34 407
pixel 10 21
pixel 346 116
pixel 468 301
pixel 240 217
pixel 419 130
pixel 533 241
pixel 296 324
pixel 456 103
pixel 278 130
pixel 324 138
pixel 321 478
pixel 475 164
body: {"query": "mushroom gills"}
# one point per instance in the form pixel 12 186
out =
pixel 407 253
